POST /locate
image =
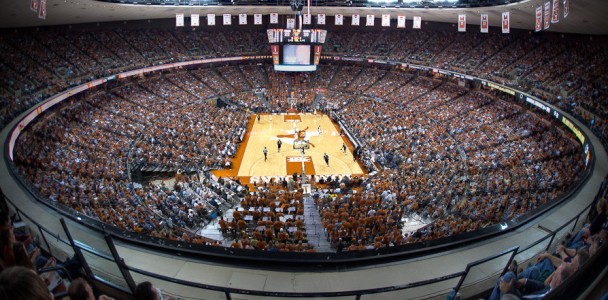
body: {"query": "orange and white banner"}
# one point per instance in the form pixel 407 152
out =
pixel 306 19
pixel 547 14
pixel 210 19
pixel 179 20
pixel 484 25
pixel 227 19
pixel 539 19
pixel 274 18
pixel 275 54
pixel 555 16
pixel 194 20
pixel 42 9
pixel 506 22
pixel 242 19
pixel 257 19
pixel 566 8
pixel 317 54
pixel 417 22
pixel 369 20
pixel 339 19
pixel 321 19
pixel 386 20
pixel 462 23
pixel 354 20
pixel 400 21
pixel 34 5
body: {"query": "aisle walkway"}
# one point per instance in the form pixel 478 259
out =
pixel 314 230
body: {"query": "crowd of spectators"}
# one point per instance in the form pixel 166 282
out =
pixel 464 158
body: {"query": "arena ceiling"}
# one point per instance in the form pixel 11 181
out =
pixel 586 16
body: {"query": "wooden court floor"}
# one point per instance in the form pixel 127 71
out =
pixel 324 137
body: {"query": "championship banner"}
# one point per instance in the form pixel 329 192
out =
pixel 321 19
pixel 42 10
pixel 566 8
pixel 307 19
pixel 462 23
pixel 227 19
pixel 210 19
pixel 547 14
pixel 539 19
pixel 386 20
pixel 354 20
pixel 34 5
pixel 291 23
pixel 506 26
pixel 484 24
pixel 339 20
pixel 257 19
pixel 274 18
pixel 417 22
pixel 400 21
pixel 242 19
pixel 194 20
pixel 369 20
pixel 555 16
pixel 179 20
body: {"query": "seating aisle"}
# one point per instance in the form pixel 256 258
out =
pixel 314 230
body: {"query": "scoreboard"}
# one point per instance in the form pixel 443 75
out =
pixel 296 50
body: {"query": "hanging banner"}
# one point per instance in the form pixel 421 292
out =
pixel 242 19
pixel 369 20
pixel 275 54
pixel 547 14
pixel 417 22
pixel 400 21
pixel 274 18
pixel 484 24
pixel 506 26
pixel 462 23
pixel 34 5
pixel 194 20
pixel 321 19
pixel 354 20
pixel 317 54
pixel 257 19
pixel 555 16
pixel 42 9
pixel 539 19
pixel 339 20
pixel 210 19
pixel 227 19
pixel 566 8
pixel 307 19
pixel 179 20
pixel 291 23
pixel 386 20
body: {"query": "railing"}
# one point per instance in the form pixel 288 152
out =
pixel 110 269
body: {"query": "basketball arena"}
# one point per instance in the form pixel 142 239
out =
pixel 273 153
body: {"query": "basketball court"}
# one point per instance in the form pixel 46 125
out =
pixel 316 133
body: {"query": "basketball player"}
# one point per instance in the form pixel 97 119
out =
pixel 279 143
pixel 258 119
pixel 326 158
pixel 344 147
pixel 265 154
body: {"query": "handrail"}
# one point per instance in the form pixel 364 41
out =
pixel 462 274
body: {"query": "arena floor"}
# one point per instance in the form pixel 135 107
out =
pixel 249 164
